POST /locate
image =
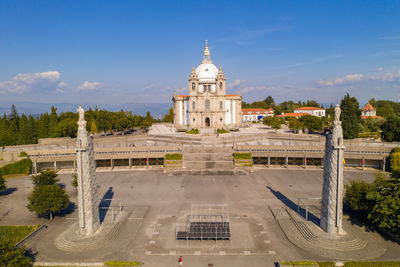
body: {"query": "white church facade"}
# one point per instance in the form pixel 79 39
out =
pixel 207 105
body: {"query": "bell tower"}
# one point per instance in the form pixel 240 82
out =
pixel 220 82
pixel 193 83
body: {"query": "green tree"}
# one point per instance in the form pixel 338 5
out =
pixel 53 121
pixel 391 128
pixel 45 177
pixel 356 197
pixel 93 127
pixel 269 100
pixel 14 113
pixel 47 200
pixel 385 111
pixel 295 125
pixel 169 117
pixel 11 257
pixel 350 117
pixel 394 159
pixel 274 122
pixel 2 182
pixel 75 180
pixel 312 123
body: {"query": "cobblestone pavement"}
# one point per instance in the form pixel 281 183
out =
pixel 156 202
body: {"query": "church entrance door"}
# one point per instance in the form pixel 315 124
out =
pixel 207 122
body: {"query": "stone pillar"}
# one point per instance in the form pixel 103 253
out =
pixel 305 162
pixel 332 188
pixel 88 205
pixel 269 161
pixel 55 165
pixel 130 162
pixel 35 166
pixel 112 163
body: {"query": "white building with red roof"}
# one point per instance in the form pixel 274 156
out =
pixel 319 112
pixel 369 112
pixel 256 114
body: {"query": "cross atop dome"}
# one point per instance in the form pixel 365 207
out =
pixel 206 54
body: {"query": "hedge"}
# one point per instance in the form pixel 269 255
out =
pixel 15 233
pixel 193 131
pixel 237 155
pixel 173 156
pixel 123 263
pixel 372 264
pixel 23 154
pixel 222 131
pixel 20 167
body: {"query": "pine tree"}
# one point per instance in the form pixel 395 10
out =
pixel 350 117
pixel 53 121
pixel 14 113
pixel 93 128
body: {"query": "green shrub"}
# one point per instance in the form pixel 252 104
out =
pixel 222 131
pixel 299 263
pixel 369 135
pixel 173 156
pixel 12 234
pixel 326 264
pixel 122 263
pixel 373 264
pixel 394 158
pixel 193 131
pixel 23 154
pixel 20 167
pixel 45 177
pixel 237 155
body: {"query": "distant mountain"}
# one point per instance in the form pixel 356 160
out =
pixel 156 109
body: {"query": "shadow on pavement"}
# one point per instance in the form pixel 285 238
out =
pixel 105 203
pixel 293 206
pixel 8 191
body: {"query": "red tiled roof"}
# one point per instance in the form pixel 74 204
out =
pixel 293 115
pixel 249 111
pixel 181 95
pixel 309 108
pixel 372 117
pixel 368 107
pixel 231 95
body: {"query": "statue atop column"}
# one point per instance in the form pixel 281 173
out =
pixel 332 188
pixel 88 205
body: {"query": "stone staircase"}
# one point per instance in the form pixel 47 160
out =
pixel 208 160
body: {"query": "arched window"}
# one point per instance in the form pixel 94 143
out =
pixel 209 87
pixel 220 105
pixel 207 104
pixel 220 85
pixel 193 105
pixel 193 86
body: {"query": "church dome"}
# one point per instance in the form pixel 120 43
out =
pixel 207 72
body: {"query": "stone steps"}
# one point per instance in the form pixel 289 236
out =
pixel 219 165
pixel 203 156
pixel 202 172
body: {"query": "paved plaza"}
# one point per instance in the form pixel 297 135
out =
pixel 156 202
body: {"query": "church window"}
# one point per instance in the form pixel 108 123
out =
pixel 194 119
pixel 220 104
pixel 207 104
pixel 193 86
pixel 220 85
pixel 220 119
pixel 193 105
pixel 209 87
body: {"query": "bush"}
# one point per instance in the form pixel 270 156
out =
pixel 222 131
pixel 20 167
pixel 242 155
pixel 299 263
pixel 122 263
pixel 2 182
pixel 75 180
pixel 10 256
pixel 173 156
pixel 193 131
pixel 23 154
pixel 46 177
pixel 369 135
pixel 394 159
pixel 373 264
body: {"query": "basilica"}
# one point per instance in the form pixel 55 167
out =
pixel 207 105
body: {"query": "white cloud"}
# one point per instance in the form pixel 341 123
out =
pixel 379 69
pixel 62 84
pixel 347 79
pixel 235 83
pixel 258 88
pixel 89 86
pixel 58 90
pixel 24 82
pixel 386 77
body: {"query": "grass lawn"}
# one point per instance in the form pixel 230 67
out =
pixel 15 233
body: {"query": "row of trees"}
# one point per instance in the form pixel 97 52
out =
pixel 378 202
pixel 19 130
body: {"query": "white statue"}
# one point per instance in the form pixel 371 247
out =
pixel 337 115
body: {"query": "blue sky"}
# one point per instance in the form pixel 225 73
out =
pixel 143 51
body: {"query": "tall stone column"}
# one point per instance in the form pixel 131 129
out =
pixel 88 205
pixel 332 188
